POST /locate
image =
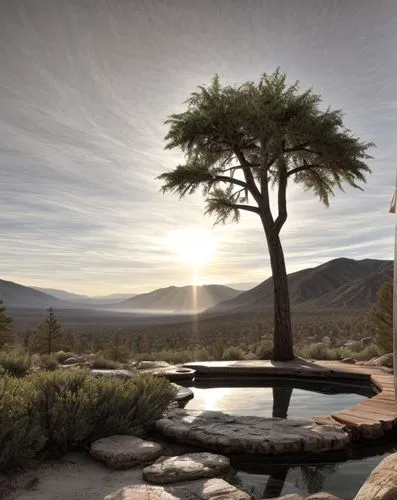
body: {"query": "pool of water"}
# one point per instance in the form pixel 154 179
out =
pixel 341 475
pixel 283 400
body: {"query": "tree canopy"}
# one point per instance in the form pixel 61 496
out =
pixel 269 133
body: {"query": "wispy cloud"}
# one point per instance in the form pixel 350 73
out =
pixel 85 88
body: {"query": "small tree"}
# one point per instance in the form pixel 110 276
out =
pixel 381 317
pixel 241 141
pixel 48 336
pixel 53 329
pixel 6 336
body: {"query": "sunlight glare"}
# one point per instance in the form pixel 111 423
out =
pixel 193 246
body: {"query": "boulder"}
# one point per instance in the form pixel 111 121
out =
pixel 349 361
pixel 152 365
pixel 291 496
pixel 123 452
pixel 382 482
pixel 385 360
pixel 367 341
pixel 323 495
pixel 185 467
pixel 73 360
pixel 210 489
pixel 223 433
pixel 126 374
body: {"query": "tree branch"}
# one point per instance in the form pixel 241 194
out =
pixel 302 168
pixel 231 180
pixel 248 208
pixel 251 185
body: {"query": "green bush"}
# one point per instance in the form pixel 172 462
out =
pixel 21 435
pixel 265 349
pixel 318 351
pixel 15 362
pixel 233 354
pixel 62 356
pixel 77 408
pixel 48 362
pixel 100 362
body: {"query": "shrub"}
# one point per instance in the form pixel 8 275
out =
pixel 48 362
pixel 62 356
pixel 101 363
pixel 15 362
pixel 317 351
pixel 265 349
pixel 233 354
pixel 21 435
pixel 77 408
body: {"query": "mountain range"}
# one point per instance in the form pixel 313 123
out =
pixel 339 283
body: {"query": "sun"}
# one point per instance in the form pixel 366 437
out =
pixel 194 247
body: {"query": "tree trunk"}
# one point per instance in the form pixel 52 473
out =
pixel 282 342
pixel 281 400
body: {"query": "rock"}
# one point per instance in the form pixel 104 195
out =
pixel 349 361
pixel 178 373
pixel 185 467
pixel 73 360
pixel 382 482
pixel 123 452
pixel 227 434
pixel 183 395
pixel 367 341
pixel 210 489
pixel 126 374
pixel 291 496
pixel 385 360
pixel 152 365
pixel 322 495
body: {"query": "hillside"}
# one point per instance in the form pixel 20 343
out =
pixel 15 295
pixel 86 300
pixel 178 299
pixel 339 283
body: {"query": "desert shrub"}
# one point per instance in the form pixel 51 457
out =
pixel 15 362
pixel 48 362
pixel 76 407
pixel 317 351
pixel 381 318
pixel 364 355
pixel 100 362
pixel 265 349
pixel 21 435
pixel 233 354
pixel 62 356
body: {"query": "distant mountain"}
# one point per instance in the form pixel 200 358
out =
pixel 86 299
pixel 180 299
pixel 339 283
pixel 62 294
pixel 15 295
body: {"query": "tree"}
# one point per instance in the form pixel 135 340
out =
pixel 240 143
pixel 381 317
pixel 6 336
pixel 48 336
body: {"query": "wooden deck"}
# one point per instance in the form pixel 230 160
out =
pixel 370 419
pixel 374 417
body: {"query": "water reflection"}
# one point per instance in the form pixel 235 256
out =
pixel 303 400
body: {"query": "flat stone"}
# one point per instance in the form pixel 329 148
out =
pixel 210 489
pixel 349 361
pixel 184 394
pixel 152 365
pixel 113 373
pixel 323 495
pixel 185 467
pixel 382 482
pixel 123 452
pixel 227 434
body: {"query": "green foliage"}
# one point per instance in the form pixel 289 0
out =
pixel 322 351
pixel 317 351
pixel 233 353
pixel 265 349
pixel 6 336
pixel 62 356
pixel 21 435
pixel 15 362
pixel 48 337
pixel 48 362
pixel 77 407
pixel 100 362
pixel 381 317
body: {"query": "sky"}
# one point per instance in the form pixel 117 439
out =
pixel 85 88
